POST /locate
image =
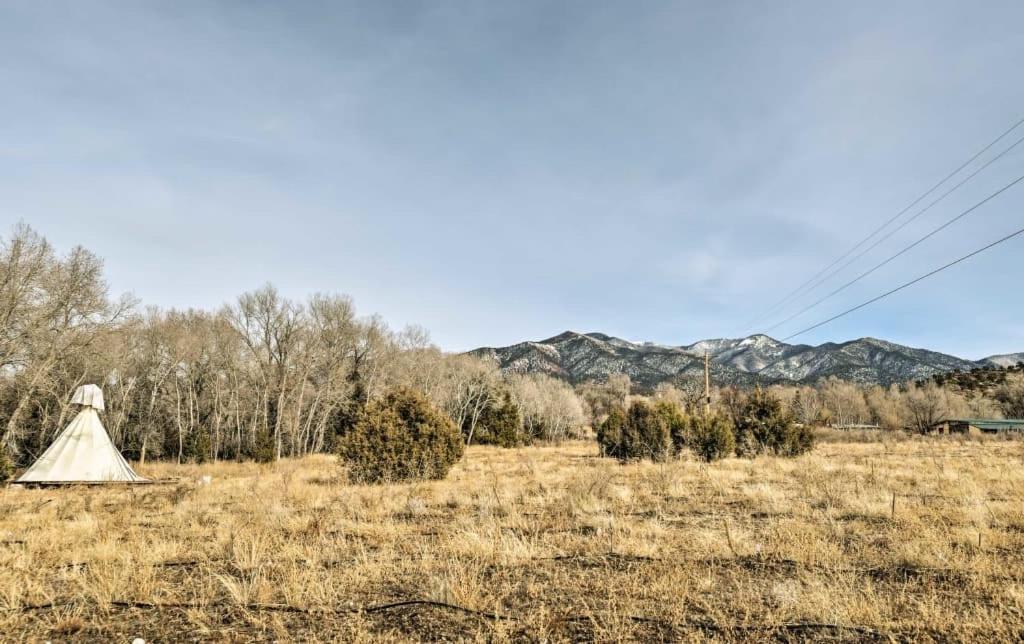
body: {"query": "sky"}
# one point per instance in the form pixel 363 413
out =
pixel 502 171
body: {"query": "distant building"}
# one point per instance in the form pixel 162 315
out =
pixel 978 426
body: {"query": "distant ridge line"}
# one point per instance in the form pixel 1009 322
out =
pixel 581 357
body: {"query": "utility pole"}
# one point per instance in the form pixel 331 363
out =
pixel 707 384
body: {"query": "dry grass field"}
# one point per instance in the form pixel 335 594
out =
pixel 541 543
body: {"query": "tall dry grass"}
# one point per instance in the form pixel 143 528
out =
pixel 534 543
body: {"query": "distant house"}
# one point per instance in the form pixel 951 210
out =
pixel 978 426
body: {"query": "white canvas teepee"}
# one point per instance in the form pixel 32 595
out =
pixel 83 453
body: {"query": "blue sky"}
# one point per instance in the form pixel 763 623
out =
pixel 496 171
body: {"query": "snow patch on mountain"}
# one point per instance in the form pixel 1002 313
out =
pixel 1004 359
pixel 580 357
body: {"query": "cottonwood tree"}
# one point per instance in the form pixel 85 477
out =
pixel 326 384
pixel 925 406
pixel 806 406
pixel 270 327
pixel 550 408
pixel 691 393
pixel 982 407
pixel 602 397
pixel 1011 398
pixel 886 406
pixel 667 392
pixel 844 402
pixel 469 386
pixel 25 259
pixel 53 309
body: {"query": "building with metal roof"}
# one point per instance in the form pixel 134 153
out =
pixel 978 426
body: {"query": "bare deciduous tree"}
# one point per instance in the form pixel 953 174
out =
pixel 925 406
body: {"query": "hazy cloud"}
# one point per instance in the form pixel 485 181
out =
pixel 495 171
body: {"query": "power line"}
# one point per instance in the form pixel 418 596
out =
pixel 905 249
pixel 800 289
pixel 895 230
pixel 905 285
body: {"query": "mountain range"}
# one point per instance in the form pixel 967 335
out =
pixel 1004 359
pixel 580 357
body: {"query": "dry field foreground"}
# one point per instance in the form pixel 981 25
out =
pixel 537 543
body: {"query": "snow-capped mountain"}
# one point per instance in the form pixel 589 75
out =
pixel 580 357
pixel 1004 359
pixel 750 355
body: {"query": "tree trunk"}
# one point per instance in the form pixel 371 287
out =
pixel 181 442
pixel 12 423
pixel 215 447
